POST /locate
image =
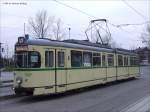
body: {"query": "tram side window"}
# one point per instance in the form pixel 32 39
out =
pixel 21 59
pixel 126 61
pixel 49 58
pixel 137 61
pixel 87 59
pixel 110 59
pixel 133 61
pixel 76 58
pixel 34 59
pixel 103 60
pixel 120 60
pixel 96 59
pixel 61 59
pixel 30 59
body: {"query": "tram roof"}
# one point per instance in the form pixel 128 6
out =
pixel 77 44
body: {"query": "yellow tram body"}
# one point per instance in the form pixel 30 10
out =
pixel 61 67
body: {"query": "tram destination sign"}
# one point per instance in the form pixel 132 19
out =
pixel 22 48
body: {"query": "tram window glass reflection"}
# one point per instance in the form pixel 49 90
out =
pixel 87 59
pixel 96 59
pixel 76 58
pixel 61 59
pixel 110 59
pixel 120 60
pixel 49 58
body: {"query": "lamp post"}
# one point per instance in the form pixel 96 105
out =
pixel 69 32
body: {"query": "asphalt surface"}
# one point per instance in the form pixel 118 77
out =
pixel 125 96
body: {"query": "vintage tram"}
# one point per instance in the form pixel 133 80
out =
pixel 45 66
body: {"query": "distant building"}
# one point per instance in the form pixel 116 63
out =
pixel 144 55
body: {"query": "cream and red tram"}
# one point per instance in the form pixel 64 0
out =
pixel 46 66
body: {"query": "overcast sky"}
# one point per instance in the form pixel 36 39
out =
pixel 13 15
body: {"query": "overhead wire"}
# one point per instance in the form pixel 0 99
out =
pixel 76 9
pixel 117 26
pixel 131 7
pixel 85 13
pixel 129 24
pixel 89 15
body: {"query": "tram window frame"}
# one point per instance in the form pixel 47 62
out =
pixel 87 62
pixel 120 60
pixel 104 60
pixel 97 60
pixel 137 61
pixel 26 59
pixel 126 61
pixel 133 61
pixel 110 60
pixel 49 61
pixel 21 59
pixel 76 58
pixel 33 63
pixel 61 59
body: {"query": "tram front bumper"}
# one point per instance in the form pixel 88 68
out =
pixel 22 90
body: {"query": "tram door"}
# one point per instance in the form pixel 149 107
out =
pixel 61 73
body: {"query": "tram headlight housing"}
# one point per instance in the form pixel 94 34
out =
pixel 19 80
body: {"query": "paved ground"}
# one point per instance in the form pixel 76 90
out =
pixel 6 91
pixel 128 96
pixel 6 76
pixel 143 105
pixel 6 88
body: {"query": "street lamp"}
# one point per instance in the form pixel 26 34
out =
pixel 69 32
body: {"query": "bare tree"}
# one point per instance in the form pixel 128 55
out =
pixel 146 36
pixel 40 25
pixel 58 30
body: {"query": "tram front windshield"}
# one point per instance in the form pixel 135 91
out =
pixel 30 59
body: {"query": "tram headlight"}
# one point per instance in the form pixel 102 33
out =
pixel 19 80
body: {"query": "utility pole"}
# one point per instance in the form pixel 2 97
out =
pixel 24 29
